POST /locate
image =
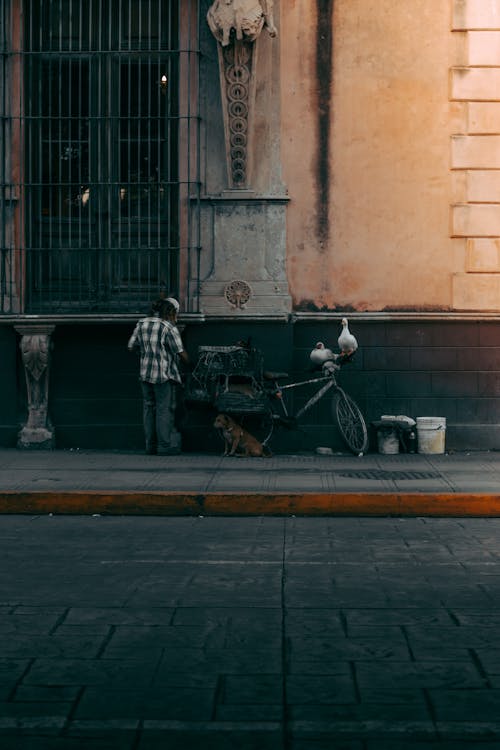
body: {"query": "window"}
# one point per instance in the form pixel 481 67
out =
pixel 104 122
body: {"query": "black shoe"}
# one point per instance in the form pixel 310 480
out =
pixel 150 451
pixel 169 452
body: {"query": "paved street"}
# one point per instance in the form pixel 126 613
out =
pixel 141 633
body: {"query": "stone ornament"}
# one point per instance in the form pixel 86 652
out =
pixel 245 18
pixel 237 73
pixel 237 293
pixel 35 352
pixel 236 24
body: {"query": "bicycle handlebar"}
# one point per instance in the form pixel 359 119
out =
pixel 344 359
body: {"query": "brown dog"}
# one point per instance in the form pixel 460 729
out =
pixel 237 441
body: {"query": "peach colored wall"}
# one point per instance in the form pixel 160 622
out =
pixel 383 241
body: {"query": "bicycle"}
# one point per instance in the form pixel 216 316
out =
pixel 232 380
pixel 345 411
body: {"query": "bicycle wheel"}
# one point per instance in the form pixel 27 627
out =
pixel 350 422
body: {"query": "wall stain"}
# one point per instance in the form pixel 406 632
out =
pixel 417 308
pixel 308 305
pixel 324 73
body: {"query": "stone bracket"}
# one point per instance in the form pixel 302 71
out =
pixel 35 347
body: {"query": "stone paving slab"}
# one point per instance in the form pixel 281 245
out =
pixel 72 470
pixel 121 633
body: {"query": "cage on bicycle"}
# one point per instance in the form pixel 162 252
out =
pixel 229 377
pixel 230 397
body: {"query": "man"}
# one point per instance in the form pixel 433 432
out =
pixel 159 343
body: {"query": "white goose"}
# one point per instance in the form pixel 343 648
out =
pixel 347 342
pixel 320 354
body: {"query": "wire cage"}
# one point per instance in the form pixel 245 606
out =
pixel 251 401
pixel 230 378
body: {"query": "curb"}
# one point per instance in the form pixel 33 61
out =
pixel 118 502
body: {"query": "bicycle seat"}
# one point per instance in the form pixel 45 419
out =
pixel 274 375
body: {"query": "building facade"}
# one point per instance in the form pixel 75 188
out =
pixel 276 166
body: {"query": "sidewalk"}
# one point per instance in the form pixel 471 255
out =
pixel 82 482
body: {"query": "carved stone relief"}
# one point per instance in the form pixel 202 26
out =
pixel 35 352
pixel 236 24
pixel 237 293
pixel 237 62
pixel 243 18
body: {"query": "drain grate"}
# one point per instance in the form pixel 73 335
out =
pixel 384 474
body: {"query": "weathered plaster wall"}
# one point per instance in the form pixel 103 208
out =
pixel 366 154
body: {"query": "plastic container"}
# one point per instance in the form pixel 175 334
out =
pixel 431 432
pixel 387 440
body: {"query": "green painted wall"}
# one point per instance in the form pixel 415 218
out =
pixel 428 368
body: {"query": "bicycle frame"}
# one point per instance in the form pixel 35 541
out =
pixel 330 382
pixel 346 412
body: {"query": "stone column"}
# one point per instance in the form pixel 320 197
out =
pixel 242 268
pixel 35 351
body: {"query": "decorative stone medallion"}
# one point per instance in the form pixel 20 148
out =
pixel 237 293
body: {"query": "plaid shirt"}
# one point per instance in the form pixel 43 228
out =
pixel 159 343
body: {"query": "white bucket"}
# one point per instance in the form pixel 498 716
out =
pixel 388 441
pixel 431 432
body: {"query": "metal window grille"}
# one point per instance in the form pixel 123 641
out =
pixel 99 145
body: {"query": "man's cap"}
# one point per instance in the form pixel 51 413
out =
pixel 173 302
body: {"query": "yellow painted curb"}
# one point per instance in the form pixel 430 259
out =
pixel 118 502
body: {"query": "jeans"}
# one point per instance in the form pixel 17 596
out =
pixel 159 400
